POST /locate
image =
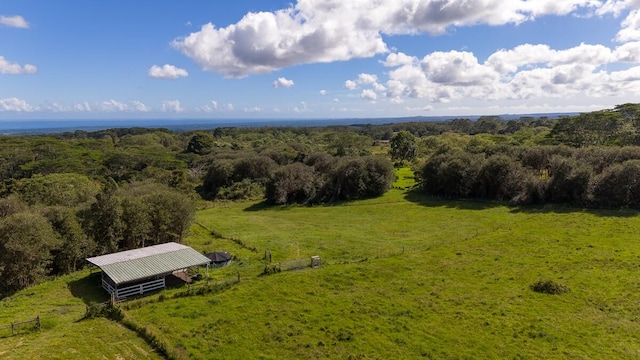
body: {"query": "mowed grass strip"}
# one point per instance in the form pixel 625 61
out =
pixel 460 289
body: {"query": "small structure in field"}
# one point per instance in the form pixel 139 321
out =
pixel 134 272
pixel 219 258
pixel 315 261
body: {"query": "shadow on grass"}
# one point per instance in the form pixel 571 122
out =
pixel 565 209
pixel 419 198
pixel 263 205
pixel 473 204
pixel 89 289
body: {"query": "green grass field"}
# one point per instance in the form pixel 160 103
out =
pixel 403 276
pixel 61 305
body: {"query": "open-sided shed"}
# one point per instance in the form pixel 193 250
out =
pixel 137 271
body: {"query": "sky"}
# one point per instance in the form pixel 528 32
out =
pixel 315 59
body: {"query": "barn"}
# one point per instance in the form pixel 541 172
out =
pixel 134 272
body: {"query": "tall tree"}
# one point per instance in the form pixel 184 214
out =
pixel 105 220
pixel 26 242
pixel 75 244
pixel 403 146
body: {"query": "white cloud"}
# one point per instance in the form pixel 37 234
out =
pixel 369 94
pixel 303 109
pixel 214 104
pixel 378 87
pixel 524 72
pixel 113 106
pixel 317 31
pixel 83 107
pixel 254 109
pixel 456 68
pixel 336 100
pixel 507 61
pixel 166 71
pixel 367 79
pixel 15 105
pixel 230 107
pixel 139 106
pixel 14 21
pixel 283 83
pixel 420 109
pixel 172 106
pixel 108 106
pixel 630 27
pixel 629 52
pixel 350 84
pixel 54 107
pixel 7 67
pixel 323 92
pixel 398 59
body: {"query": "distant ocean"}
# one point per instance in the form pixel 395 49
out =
pixel 24 127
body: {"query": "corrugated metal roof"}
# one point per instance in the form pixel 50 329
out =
pixel 132 265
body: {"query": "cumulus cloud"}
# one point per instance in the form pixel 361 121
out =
pixel 323 92
pixel 139 106
pixel 368 94
pixel 166 71
pixel 317 31
pixel 398 59
pixel 15 105
pixel 113 106
pixel 524 72
pixel 456 68
pixel 283 83
pixel 11 68
pixel 350 85
pixel 82 107
pixel 14 21
pixel 630 27
pixel 117 106
pixel 365 80
pixel 172 106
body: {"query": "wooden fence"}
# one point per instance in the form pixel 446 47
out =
pixel 15 325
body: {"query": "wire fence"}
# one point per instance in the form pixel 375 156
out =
pixel 20 326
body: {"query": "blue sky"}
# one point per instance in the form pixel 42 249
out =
pixel 315 58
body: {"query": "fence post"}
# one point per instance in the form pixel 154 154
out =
pixel 238 276
pixel 38 322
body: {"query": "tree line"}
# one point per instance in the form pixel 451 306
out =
pixel 64 197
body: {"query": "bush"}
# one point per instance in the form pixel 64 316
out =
pixel 549 287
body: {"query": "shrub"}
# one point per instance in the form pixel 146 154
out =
pixel 549 287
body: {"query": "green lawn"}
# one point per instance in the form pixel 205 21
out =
pixel 407 277
pixel 61 305
pixel 403 276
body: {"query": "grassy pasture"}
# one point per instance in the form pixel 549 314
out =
pixel 406 276
pixel 403 276
pixel 61 304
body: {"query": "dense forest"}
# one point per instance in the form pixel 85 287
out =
pixel 67 196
